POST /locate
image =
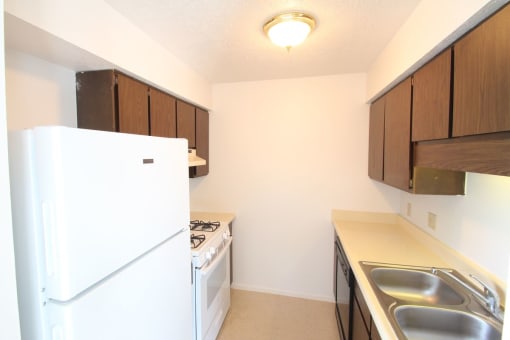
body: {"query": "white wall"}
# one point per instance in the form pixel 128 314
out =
pixel 9 303
pixel 284 153
pixel 38 92
pixel 95 28
pixel 476 225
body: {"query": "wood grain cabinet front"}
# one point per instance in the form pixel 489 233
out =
pixel 480 119
pixel 363 326
pixel 201 142
pixel 431 99
pixel 111 101
pixel 451 118
pixel 163 121
pixel 186 122
pixel 481 96
pixel 397 136
pixel 133 105
pixel 361 317
pixel 376 140
pixel 389 156
pixel 392 152
pixel 374 332
pixel 193 124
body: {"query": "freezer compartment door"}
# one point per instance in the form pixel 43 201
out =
pixel 149 299
pixel 105 199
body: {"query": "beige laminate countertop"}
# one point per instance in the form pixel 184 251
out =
pixel 212 216
pixel 389 238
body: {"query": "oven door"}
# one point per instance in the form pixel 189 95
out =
pixel 212 294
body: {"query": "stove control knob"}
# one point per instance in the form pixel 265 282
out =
pixel 212 250
pixel 225 235
pixel 208 256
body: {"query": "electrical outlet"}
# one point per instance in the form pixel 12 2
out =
pixel 409 209
pixel 432 221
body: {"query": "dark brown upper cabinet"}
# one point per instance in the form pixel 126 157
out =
pixel 186 122
pixel 133 105
pixel 163 119
pixel 376 140
pixel 431 99
pixel 391 152
pixel 201 142
pixel 481 104
pixel 111 101
pixel 460 115
pixel 481 96
pixel 193 124
pixel 397 136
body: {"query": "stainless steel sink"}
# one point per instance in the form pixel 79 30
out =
pixel 437 323
pixel 415 286
pixel 431 303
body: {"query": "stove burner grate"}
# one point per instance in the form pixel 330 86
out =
pixel 196 240
pixel 200 225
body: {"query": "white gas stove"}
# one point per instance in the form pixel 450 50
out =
pixel 210 258
pixel 207 240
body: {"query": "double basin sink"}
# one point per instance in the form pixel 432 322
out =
pixel 431 303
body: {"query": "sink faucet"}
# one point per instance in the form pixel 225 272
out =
pixel 489 299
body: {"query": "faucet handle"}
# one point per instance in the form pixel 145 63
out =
pixel 490 294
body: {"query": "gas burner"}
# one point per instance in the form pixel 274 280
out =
pixel 198 225
pixel 196 240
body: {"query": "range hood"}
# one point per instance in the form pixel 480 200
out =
pixel 193 159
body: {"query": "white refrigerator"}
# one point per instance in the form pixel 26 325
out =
pixel 101 235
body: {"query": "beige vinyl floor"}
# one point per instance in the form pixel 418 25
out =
pixel 259 316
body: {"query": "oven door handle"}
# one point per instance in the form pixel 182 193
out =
pixel 214 263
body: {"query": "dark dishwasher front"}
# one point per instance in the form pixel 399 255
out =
pixel 343 292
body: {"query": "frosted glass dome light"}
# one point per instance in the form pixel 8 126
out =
pixel 289 29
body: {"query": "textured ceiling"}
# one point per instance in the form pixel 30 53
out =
pixel 224 42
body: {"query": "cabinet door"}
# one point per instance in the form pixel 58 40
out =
pixel 133 105
pixel 163 120
pixel 481 97
pixel 186 122
pixel 359 329
pixel 95 100
pixel 374 333
pixel 431 99
pixel 376 140
pixel 202 141
pixel 362 305
pixel 397 136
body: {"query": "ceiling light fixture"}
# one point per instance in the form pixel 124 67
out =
pixel 289 29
